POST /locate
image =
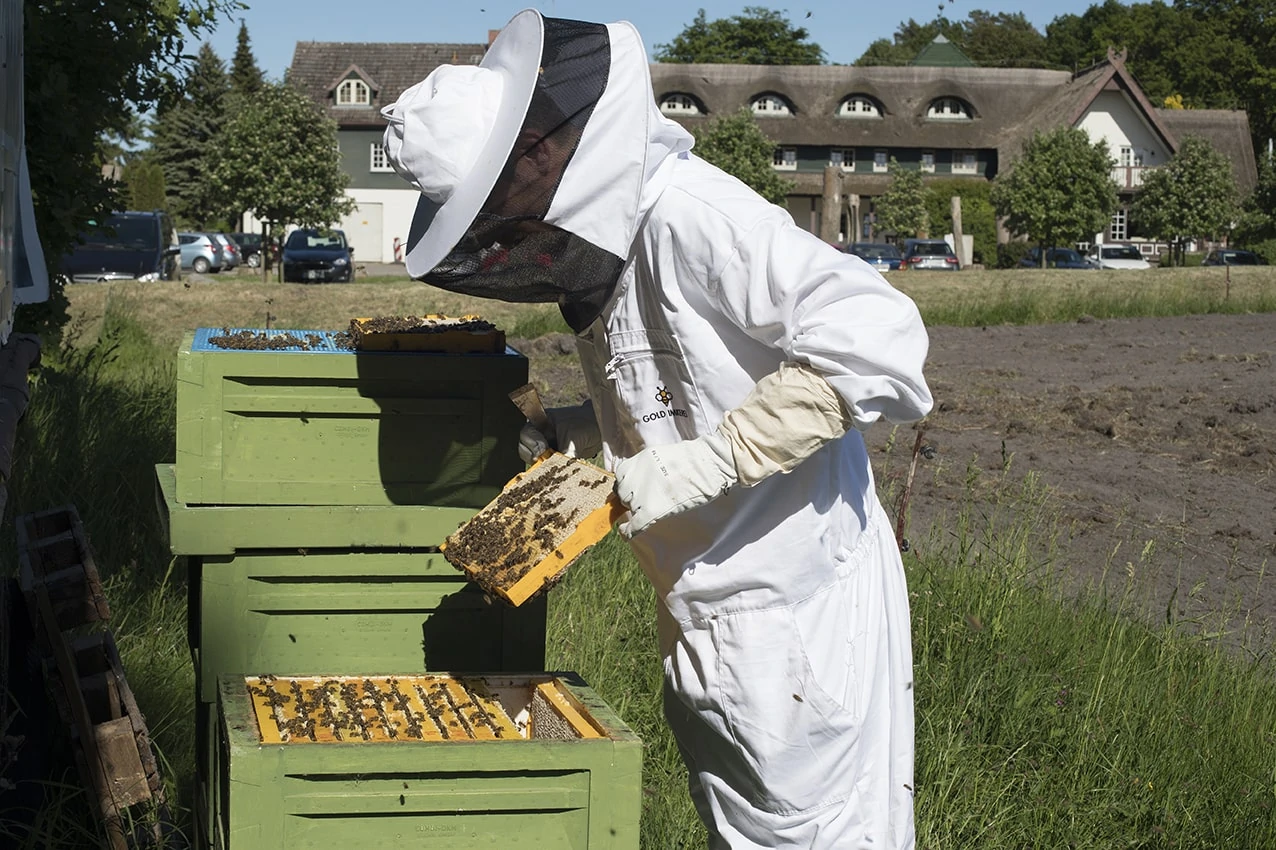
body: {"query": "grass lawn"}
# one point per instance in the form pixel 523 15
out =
pixel 1043 720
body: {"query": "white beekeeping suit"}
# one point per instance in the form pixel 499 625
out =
pixel 731 359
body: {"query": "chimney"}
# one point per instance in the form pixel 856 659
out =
pixel 491 36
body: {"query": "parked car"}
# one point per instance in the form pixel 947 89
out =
pixel 1057 258
pixel 932 254
pixel 877 254
pixel 1115 255
pixel 230 251
pixel 1232 257
pixel 201 252
pixel 317 256
pixel 128 245
pixel 249 248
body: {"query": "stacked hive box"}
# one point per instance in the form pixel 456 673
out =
pixel 312 488
pixel 423 761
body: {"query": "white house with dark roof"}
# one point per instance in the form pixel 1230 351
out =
pixel 351 81
pixel 835 126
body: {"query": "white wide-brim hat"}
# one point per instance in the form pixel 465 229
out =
pixel 440 221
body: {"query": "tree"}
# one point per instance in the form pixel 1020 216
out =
pixel 1060 190
pixel 1003 40
pixel 908 41
pixel 735 144
pixel 759 36
pixel 901 209
pixel 278 157
pixel 186 132
pixel 978 219
pixel 1193 196
pixel 1256 227
pixel 144 179
pixel 245 77
pixel 90 67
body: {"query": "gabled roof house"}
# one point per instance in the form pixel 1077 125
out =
pixel 836 127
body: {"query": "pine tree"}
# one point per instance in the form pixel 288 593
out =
pixel 245 77
pixel 185 134
pixel 144 182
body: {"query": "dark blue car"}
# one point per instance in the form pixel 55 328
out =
pixel 317 256
pixel 881 256
pixel 1056 258
pixel 127 246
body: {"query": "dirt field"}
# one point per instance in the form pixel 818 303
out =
pixel 1160 430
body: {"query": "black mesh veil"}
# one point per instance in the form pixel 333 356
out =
pixel 509 252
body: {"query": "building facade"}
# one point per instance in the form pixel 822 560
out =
pixel 835 127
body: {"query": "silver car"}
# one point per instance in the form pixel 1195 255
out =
pixel 201 253
pixel 231 255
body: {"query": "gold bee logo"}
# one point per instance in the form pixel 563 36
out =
pixel 664 396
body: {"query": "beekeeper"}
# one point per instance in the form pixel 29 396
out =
pixel 722 346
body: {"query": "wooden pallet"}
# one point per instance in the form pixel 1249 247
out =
pixel 86 681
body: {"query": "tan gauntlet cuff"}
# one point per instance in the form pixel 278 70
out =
pixel 787 417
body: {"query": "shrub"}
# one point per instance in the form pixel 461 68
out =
pixel 1010 253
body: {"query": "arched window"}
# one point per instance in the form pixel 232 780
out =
pixel 859 106
pixel 680 104
pixel 770 105
pixel 949 109
pixel 353 93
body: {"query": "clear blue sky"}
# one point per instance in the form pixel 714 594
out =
pixel 844 29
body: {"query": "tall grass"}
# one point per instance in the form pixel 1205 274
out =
pixel 100 418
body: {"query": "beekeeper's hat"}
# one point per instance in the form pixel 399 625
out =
pixel 451 134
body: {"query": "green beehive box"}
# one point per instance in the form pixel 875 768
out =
pixel 569 782
pixel 226 529
pixel 334 611
pixel 329 426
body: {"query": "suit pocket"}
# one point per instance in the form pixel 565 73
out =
pixel 658 400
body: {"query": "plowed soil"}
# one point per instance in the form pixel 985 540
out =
pixel 1154 438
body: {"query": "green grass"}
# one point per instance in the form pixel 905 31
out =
pixel 1029 296
pixel 1044 719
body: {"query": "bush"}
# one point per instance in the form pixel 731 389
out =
pixel 1009 254
pixel 1265 249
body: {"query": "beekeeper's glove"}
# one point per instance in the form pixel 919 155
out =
pixel 787 417
pixel 575 434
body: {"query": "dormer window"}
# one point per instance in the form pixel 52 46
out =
pixel 859 106
pixel 949 109
pixel 680 104
pixel 770 106
pixel 353 93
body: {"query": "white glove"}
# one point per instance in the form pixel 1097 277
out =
pixel 665 480
pixel 576 434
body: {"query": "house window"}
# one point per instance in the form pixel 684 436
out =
pixel 785 159
pixel 859 107
pixel 965 162
pixel 1131 158
pixel 353 93
pixel 948 109
pixel 680 104
pixel 769 105
pixel 1119 230
pixel 380 162
pixel 843 158
pixel 880 161
pixel 928 161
